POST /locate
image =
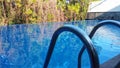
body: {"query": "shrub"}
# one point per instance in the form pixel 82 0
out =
pixel 74 9
pixel 34 11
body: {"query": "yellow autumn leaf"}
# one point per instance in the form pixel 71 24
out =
pixel 8 0
pixel 18 4
pixel 77 11
pixel 33 19
pixel 18 1
pixel 28 11
pixel 32 1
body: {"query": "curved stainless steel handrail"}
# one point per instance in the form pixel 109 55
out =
pixel 100 24
pixel 84 38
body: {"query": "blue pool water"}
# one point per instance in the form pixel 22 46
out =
pixel 25 46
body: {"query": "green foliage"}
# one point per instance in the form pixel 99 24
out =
pixel 75 9
pixel 49 17
pixel 34 11
pixel 95 0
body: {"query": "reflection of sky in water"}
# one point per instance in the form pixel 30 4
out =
pixel 26 45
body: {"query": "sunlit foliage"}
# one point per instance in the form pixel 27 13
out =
pixel 36 11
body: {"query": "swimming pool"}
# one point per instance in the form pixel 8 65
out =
pixel 25 46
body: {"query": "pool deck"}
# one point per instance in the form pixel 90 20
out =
pixel 105 6
pixel 104 9
pixel 112 63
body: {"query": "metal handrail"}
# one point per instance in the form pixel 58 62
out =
pixel 100 24
pixel 84 38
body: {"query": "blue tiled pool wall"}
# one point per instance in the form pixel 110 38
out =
pixel 23 46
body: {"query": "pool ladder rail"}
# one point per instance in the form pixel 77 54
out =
pixel 100 24
pixel 88 45
pixel 84 38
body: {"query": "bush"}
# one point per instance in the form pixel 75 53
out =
pixel 34 11
pixel 74 9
